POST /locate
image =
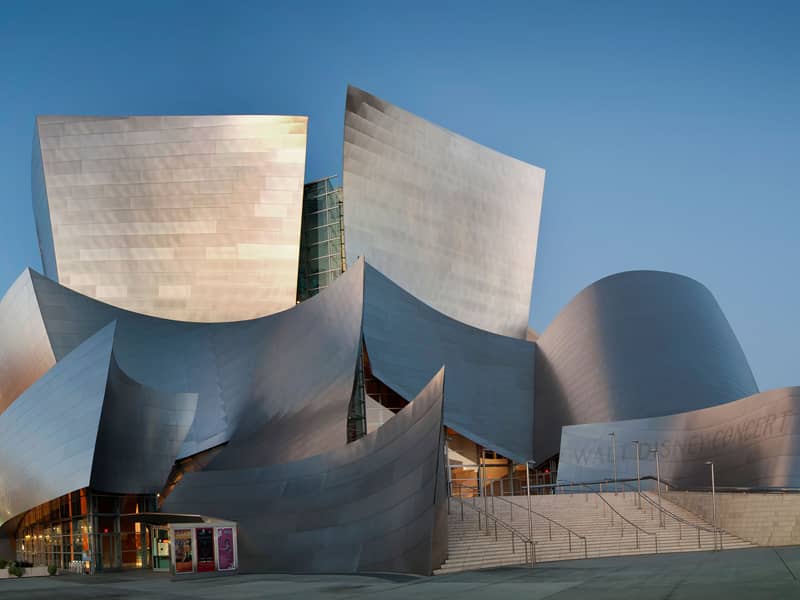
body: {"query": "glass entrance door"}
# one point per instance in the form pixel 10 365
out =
pixel 161 549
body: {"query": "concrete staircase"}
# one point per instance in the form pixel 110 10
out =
pixel 587 516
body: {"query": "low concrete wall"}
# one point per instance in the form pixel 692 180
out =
pixel 766 519
pixel 29 572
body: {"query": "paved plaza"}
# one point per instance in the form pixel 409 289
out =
pixel 754 573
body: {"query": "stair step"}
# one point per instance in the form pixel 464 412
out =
pixel 586 515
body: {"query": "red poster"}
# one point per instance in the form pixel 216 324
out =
pixel 205 549
pixel 225 549
pixel 183 551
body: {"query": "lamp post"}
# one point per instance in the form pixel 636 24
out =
pixel 528 464
pixel 638 476
pixel 713 502
pixel 614 457
pixel 483 486
pixel 447 439
pixel 658 485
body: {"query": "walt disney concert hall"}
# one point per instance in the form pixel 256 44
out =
pixel 219 354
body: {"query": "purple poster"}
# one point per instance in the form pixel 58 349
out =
pixel 225 548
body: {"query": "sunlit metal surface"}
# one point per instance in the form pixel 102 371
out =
pixel 25 352
pixel 85 422
pixel 489 377
pixel 190 218
pixel 264 379
pixel 48 435
pixel 378 504
pixel 635 344
pixel 452 222
pixel 754 442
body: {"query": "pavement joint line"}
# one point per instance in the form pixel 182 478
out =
pixel 785 565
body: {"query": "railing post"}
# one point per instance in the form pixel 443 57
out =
pixel 462 509
pixel 656 543
pixel 698 537
pixel 637 538
pixel 550 529
pixel 495 530
pixel 585 549
pixel 569 537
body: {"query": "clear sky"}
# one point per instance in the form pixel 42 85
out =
pixel 670 131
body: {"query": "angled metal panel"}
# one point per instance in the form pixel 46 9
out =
pixel 490 378
pixel 370 506
pixel 635 344
pixel 140 435
pixel 25 351
pixel 754 442
pixel 193 218
pixel 48 435
pixel 264 377
pixel 452 222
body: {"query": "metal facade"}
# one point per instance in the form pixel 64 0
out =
pixel 635 344
pixel 378 504
pixel 140 435
pixel 754 442
pixel 254 379
pixel 452 222
pixel 48 435
pixel 189 218
pixel 25 351
pixel 490 378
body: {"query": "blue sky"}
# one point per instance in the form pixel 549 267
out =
pixel 669 130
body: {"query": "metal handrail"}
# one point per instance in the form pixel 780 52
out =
pixel 717 532
pixel 669 513
pixel 529 558
pixel 546 518
pixel 623 519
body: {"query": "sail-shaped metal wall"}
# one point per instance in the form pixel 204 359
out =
pixel 378 504
pixel 263 378
pixel 452 222
pixel 193 218
pixel 635 344
pixel 85 422
pixel 25 350
pixel 489 377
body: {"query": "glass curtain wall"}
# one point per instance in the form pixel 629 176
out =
pixel 83 531
pixel 322 257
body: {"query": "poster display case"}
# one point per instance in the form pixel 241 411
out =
pixel 205 548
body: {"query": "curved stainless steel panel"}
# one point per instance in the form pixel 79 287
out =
pixel 254 379
pixel 635 344
pixel 195 218
pixel 754 442
pixel 25 352
pixel 48 435
pixel 451 221
pixel 490 378
pixel 140 434
pixel 375 505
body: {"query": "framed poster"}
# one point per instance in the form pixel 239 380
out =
pixel 225 549
pixel 205 549
pixel 183 551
